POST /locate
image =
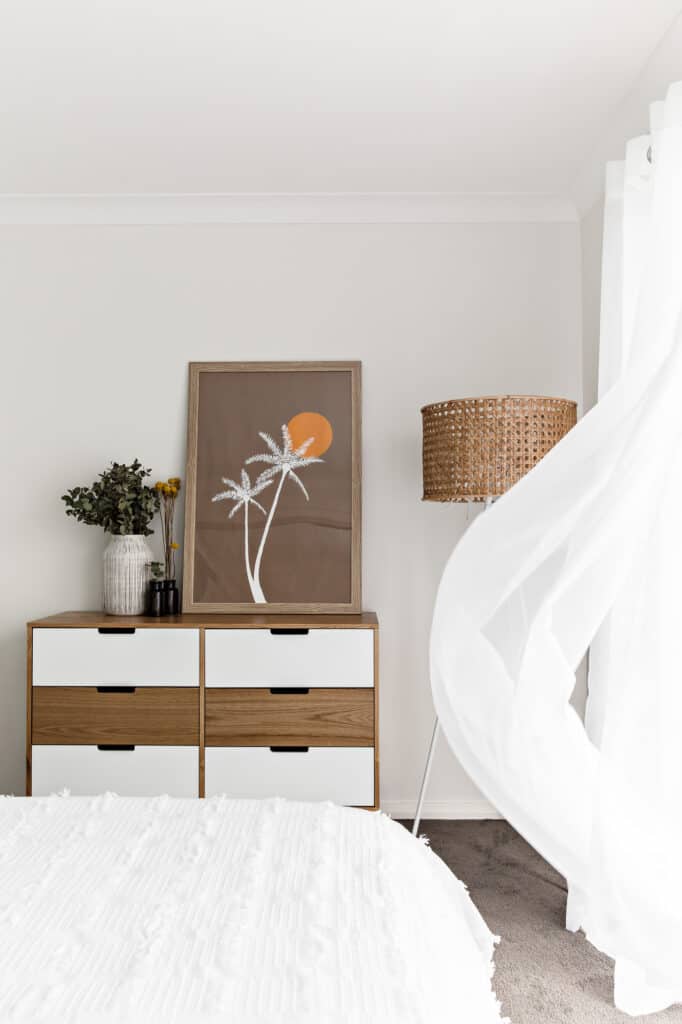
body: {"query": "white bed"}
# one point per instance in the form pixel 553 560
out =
pixel 257 912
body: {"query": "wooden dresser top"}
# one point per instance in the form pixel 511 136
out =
pixel 94 620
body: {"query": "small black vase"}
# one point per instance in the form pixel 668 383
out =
pixel 171 598
pixel 155 599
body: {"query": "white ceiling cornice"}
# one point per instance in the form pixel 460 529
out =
pixel 264 208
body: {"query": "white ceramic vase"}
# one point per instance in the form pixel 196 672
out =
pixel 126 574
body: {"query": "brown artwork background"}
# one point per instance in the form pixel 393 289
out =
pixel 308 553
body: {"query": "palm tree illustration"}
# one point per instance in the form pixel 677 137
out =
pixel 244 494
pixel 282 462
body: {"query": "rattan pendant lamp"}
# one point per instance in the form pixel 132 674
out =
pixel 475 449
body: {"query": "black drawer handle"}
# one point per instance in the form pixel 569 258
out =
pixel 115 746
pixel 116 630
pixel 289 689
pixel 116 689
pixel 289 750
pixel 289 632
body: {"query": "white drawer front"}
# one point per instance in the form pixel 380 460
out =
pixel 144 771
pixel 149 657
pixel 344 775
pixel 259 657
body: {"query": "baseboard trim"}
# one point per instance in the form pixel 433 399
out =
pixel 265 208
pixel 444 810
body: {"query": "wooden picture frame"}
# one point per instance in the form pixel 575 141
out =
pixel 314 548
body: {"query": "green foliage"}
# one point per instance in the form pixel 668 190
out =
pixel 119 501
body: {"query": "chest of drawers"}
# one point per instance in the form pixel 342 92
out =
pixel 248 706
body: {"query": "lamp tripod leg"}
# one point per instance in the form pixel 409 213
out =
pixel 425 779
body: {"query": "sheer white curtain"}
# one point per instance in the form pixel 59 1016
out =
pixel 588 545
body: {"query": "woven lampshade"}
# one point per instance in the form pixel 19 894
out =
pixel 477 448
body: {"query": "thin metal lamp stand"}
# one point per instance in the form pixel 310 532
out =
pixel 432 748
pixel 425 778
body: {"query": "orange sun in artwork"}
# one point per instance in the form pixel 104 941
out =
pixel 311 424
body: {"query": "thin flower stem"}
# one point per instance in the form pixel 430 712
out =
pixel 171 550
pixel 167 513
pixel 166 543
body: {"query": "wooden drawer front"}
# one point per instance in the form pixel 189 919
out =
pixel 156 715
pixel 314 717
pixel 265 657
pixel 144 771
pixel 344 775
pixel 87 657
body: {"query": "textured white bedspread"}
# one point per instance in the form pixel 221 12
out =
pixel 245 911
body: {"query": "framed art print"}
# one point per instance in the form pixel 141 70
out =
pixel 272 519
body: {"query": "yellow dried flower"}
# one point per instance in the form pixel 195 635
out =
pixel 173 491
pixel 174 481
pixel 175 546
pixel 159 485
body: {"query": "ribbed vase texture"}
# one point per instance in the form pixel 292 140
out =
pixel 126 573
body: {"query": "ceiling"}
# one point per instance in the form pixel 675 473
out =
pixel 300 96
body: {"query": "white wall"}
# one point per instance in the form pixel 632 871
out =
pixel 98 325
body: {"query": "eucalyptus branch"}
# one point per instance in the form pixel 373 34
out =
pixel 119 501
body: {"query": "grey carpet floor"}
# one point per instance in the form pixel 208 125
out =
pixel 543 974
